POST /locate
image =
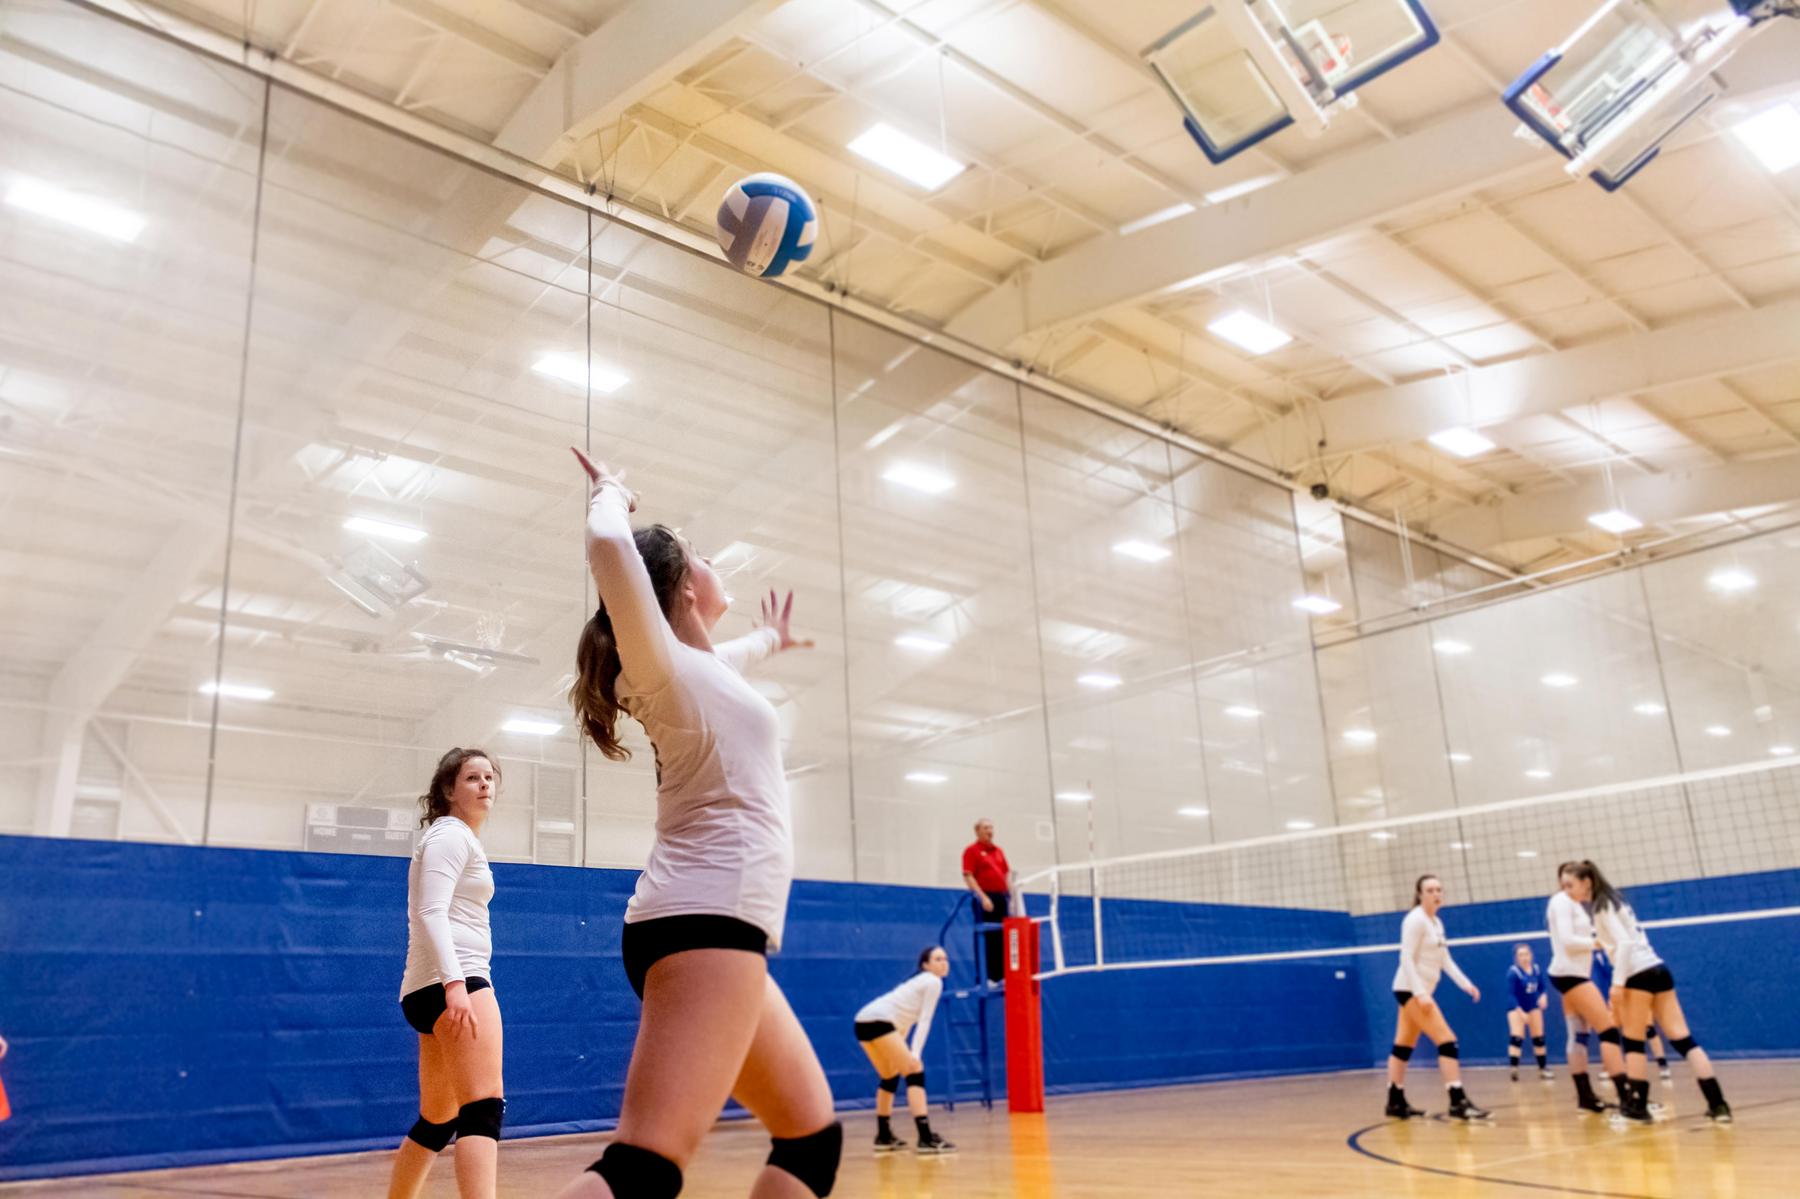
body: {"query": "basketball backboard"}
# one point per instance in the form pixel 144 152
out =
pixel 1631 77
pixel 1243 70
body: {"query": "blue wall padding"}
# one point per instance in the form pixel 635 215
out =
pixel 169 1005
pixel 1736 979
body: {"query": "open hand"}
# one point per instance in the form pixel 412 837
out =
pixel 776 615
pixel 600 475
pixel 458 1020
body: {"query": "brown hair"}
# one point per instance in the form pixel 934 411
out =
pixel 595 694
pixel 1604 894
pixel 435 802
pixel 1419 889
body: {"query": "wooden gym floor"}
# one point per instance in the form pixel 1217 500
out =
pixel 1307 1136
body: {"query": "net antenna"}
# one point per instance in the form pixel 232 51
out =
pixel 1631 77
pixel 1243 70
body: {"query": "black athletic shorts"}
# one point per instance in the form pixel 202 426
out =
pixel 423 1007
pixel 647 942
pixel 868 1030
pixel 1655 980
pixel 1402 997
pixel 1564 983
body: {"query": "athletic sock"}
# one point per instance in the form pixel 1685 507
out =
pixel 1543 1060
pixel 1584 1088
pixel 924 1123
pixel 884 1126
pixel 1456 1092
pixel 1396 1095
pixel 1709 1087
pixel 1662 1063
pixel 1622 1084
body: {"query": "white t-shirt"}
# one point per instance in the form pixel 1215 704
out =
pixel 724 841
pixel 909 1005
pixel 1571 938
pixel 1424 955
pixel 1625 940
pixel 448 887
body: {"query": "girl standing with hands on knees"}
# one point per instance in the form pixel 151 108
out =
pixel 1530 994
pixel 881 1028
pixel 446 994
pixel 712 900
pixel 1424 958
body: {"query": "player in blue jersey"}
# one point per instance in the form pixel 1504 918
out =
pixel 1530 995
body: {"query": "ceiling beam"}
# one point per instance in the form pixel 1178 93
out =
pixel 642 47
pixel 1653 499
pixel 1548 383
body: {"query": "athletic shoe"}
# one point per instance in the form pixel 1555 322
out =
pixel 1719 1113
pixel 1402 1110
pixel 1664 1071
pixel 889 1144
pixel 1637 1113
pixel 1515 1074
pixel 1548 1075
pixel 932 1143
pixel 1593 1106
pixel 1465 1109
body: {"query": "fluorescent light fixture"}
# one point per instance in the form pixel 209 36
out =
pixel 1540 775
pixel 1718 730
pixel 385 529
pixel 919 478
pixel 1243 187
pixel 1528 853
pixel 906 156
pixel 1451 646
pixel 1243 711
pixel 1250 333
pixel 1615 520
pixel 1075 796
pixel 1464 443
pixel 1461 845
pixel 1731 578
pixel 1360 736
pixel 1773 136
pixel 1382 835
pixel 1461 758
pixel 96 216
pixel 573 368
pixel 921 643
pixel 926 776
pixel 1782 751
pixel 1100 682
pixel 1649 708
pixel 235 690
pixel 1557 678
pixel 1192 812
pixel 1299 826
pixel 1318 605
pixel 1143 551
pixel 527 727
pixel 1155 218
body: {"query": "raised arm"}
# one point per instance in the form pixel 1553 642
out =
pixel 646 643
pixel 741 653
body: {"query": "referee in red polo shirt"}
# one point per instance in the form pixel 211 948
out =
pixel 990 880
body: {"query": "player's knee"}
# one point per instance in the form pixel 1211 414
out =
pixel 1403 1053
pixel 638 1173
pixel 1537 1042
pixel 1611 1036
pixel 1631 1045
pixel 481 1118
pixel 1683 1045
pixel 1516 1042
pixel 891 1083
pixel 432 1135
pixel 916 1079
pixel 813 1158
pixel 1449 1050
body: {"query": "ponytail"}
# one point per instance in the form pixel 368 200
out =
pixel 595 692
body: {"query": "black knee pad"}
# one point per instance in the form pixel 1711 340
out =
pixel 916 1080
pixel 1684 1046
pixel 1516 1042
pixel 1631 1046
pixel 1611 1035
pixel 1537 1042
pixel 433 1136
pixel 1448 1049
pixel 813 1158
pixel 638 1173
pixel 891 1084
pixel 1403 1053
pixel 481 1118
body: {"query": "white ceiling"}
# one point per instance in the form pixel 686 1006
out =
pixel 1417 251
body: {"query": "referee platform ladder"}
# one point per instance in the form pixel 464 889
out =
pixel 969 1045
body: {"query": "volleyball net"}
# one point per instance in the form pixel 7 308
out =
pixel 1299 895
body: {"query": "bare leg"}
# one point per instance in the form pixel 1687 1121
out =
pixel 784 1086
pixel 1406 1032
pixel 437 1103
pixel 1440 1032
pixel 474 1066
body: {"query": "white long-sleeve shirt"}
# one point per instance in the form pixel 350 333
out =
pixel 724 840
pixel 1571 938
pixel 448 887
pixel 909 1005
pixel 1625 941
pixel 1425 955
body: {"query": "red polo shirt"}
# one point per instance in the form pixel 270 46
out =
pixel 988 864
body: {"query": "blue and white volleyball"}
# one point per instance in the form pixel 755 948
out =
pixel 766 224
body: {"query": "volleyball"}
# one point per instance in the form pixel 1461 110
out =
pixel 766 224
